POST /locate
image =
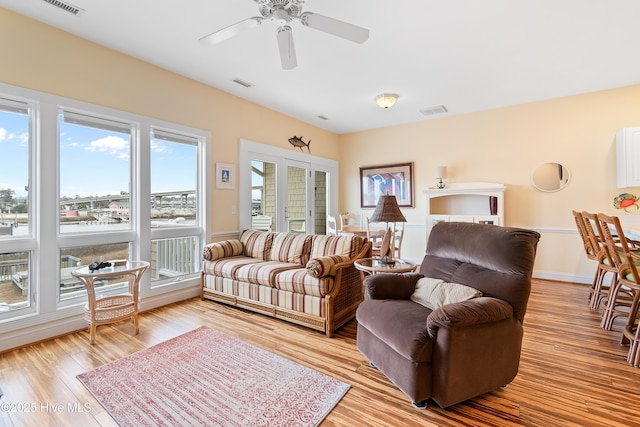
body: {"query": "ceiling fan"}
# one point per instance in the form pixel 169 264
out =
pixel 282 12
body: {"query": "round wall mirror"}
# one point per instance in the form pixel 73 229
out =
pixel 550 177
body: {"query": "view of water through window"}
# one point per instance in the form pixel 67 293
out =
pixel 98 172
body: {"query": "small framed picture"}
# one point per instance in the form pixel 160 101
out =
pixel 225 176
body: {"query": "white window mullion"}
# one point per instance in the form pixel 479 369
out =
pixel 46 211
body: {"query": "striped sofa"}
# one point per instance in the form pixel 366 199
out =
pixel 308 279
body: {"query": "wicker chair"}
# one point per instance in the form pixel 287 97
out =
pixel 591 248
pixel 626 261
pixel 619 300
pixel 600 290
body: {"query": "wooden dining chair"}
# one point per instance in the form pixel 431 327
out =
pixel 332 226
pixel 627 261
pixel 349 219
pixel 620 296
pixel 374 235
pixel 398 235
pixel 596 248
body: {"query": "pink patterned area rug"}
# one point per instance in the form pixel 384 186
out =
pixel 208 378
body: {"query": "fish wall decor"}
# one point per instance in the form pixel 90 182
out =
pixel 625 200
pixel 298 142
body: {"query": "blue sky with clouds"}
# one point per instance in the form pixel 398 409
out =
pixel 92 161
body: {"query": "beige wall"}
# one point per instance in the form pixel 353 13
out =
pixel 39 57
pixel 504 146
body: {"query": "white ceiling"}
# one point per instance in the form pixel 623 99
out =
pixel 468 55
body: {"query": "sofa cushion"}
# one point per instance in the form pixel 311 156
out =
pixel 226 248
pixel 227 267
pixel 401 324
pixel 325 266
pixel 262 273
pixel 434 293
pixel 291 247
pixel 257 244
pixel 299 281
pixel 336 245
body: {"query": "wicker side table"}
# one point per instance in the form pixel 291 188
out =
pixel 112 308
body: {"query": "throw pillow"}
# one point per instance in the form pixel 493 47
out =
pixel 434 293
pixel 324 266
pixel 227 248
pixel 291 247
pixel 257 244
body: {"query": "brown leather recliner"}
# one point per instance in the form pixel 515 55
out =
pixel 458 350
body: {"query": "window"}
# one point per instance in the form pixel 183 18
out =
pixel 95 173
pixel 15 225
pixel 81 183
pixel 14 281
pixel 73 258
pixel 175 218
pixel 173 194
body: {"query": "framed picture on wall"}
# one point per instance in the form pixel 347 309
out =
pixel 395 180
pixel 225 176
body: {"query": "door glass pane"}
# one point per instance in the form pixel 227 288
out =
pixel 14 169
pixel 174 175
pixel 320 202
pixel 95 179
pixel 76 257
pixel 263 195
pixel 14 281
pixel 296 199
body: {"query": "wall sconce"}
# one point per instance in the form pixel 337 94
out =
pixel 440 173
pixel 386 100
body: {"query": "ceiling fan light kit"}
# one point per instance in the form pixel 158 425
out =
pixel 282 12
pixel 386 100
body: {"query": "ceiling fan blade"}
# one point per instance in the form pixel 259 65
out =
pixel 231 30
pixel 287 49
pixel 335 27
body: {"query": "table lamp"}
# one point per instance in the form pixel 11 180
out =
pixel 387 210
pixel 440 173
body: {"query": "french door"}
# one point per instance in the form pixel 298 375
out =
pixel 289 191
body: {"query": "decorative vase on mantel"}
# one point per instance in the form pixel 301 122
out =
pixel 493 205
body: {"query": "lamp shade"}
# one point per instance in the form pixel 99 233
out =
pixel 387 210
pixel 440 172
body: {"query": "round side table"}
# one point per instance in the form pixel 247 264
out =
pixel 112 308
pixel 375 265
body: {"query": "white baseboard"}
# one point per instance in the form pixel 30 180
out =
pixel 562 277
pixel 31 334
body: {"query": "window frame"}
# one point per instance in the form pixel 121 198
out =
pixel 27 243
pixel 45 240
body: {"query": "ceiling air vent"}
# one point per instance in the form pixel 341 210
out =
pixel 323 118
pixel 434 110
pixel 67 7
pixel 242 83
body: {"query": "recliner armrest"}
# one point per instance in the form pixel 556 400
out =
pixel 390 285
pixel 466 313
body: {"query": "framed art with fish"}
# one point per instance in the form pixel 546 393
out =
pixel 395 180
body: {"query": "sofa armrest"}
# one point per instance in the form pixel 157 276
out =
pixel 390 285
pixel 223 249
pixel 466 313
pixel 327 265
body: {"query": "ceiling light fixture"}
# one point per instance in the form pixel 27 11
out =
pixel 386 100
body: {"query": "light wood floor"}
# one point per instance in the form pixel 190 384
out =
pixel 572 373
